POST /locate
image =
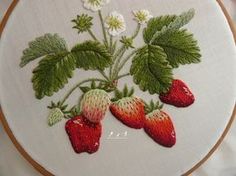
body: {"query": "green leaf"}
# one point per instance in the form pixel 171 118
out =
pixel 170 23
pixel 91 55
pixel 93 85
pixel 85 89
pixel 180 47
pixel 156 24
pixel 150 69
pixel 41 46
pixel 131 92
pixel 52 74
pixel 118 94
pixel 125 91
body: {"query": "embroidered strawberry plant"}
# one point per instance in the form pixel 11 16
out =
pixel 166 46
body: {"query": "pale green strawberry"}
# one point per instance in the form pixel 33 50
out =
pixel 94 105
pixel 55 116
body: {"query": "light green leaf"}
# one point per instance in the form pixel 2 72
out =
pixel 41 46
pixel 156 24
pixel 180 47
pixel 52 74
pixel 170 25
pixel 183 19
pixel 150 69
pixel 91 55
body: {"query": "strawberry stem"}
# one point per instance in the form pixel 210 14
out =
pixel 120 53
pixel 124 61
pixel 104 75
pixel 122 76
pixel 103 27
pixel 92 35
pixel 116 55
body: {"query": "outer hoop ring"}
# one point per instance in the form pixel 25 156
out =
pixel 43 171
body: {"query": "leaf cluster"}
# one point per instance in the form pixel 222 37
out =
pixel 58 63
pixel 167 47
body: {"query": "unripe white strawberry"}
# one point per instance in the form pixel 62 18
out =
pixel 94 105
pixel 55 115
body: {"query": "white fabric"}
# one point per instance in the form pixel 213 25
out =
pixel 11 161
pixel 225 36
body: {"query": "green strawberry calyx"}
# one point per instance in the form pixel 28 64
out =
pixel 153 106
pixel 106 86
pixel 123 94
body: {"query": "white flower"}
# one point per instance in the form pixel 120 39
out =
pixel 115 23
pixel 95 5
pixel 142 16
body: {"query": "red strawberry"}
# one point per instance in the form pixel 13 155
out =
pixel 129 110
pixel 179 95
pixel 84 135
pixel 159 127
pixel 94 105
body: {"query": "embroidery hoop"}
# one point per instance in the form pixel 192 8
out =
pixel 43 171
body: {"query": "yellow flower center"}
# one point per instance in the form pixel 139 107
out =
pixel 114 23
pixel 95 2
pixel 141 16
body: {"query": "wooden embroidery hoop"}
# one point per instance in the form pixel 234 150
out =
pixel 43 171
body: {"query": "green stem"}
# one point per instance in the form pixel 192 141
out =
pixel 123 46
pixel 136 31
pixel 121 52
pixel 110 72
pixel 111 42
pixel 112 50
pixel 92 35
pixel 117 63
pixel 104 75
pixel 124 75
pixel 77 85
pixel 124 61
pixel 103 27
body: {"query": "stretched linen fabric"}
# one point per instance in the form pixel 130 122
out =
pixel 198 127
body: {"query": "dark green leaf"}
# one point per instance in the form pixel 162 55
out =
pixel 118 94
pixel 125 91
pixel 91 55
pixel 161 106
pixel 180 47
pixel 64 107
pixel 150 69
pixel 41 46
pixel 85 89
pixel 93 85
pixel 152 105
pixel 52 74
pixel 131 92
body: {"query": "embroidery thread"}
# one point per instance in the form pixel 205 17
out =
pixel 166 46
